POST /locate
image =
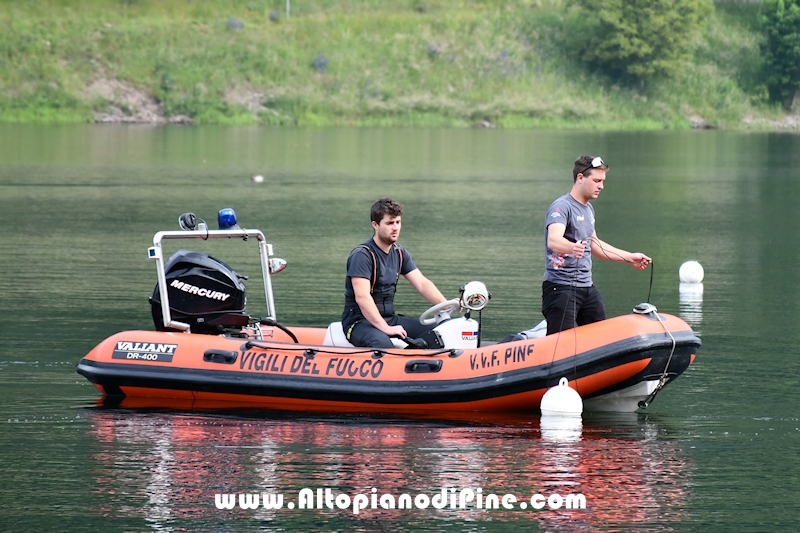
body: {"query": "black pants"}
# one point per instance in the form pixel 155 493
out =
pixel 366 335
pixel 564 305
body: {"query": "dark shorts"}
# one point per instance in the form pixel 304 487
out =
pixel 564 306
pixel 366 335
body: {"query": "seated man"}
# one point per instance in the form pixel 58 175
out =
pixel 373 270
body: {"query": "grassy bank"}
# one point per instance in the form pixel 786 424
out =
pixel 336 62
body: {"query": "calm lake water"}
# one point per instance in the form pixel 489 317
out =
pixel 717 450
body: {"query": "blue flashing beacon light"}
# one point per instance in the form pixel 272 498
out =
pixel 227 219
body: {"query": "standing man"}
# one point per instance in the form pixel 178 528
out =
pixel 373 269
pixel 570 241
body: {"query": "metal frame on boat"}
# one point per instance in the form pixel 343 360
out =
pixel 155 252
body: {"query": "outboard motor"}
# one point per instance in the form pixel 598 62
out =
pixel 203 292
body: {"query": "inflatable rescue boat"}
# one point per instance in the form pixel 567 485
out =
pixel 206 347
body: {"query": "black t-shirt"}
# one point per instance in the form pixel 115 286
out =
pixel 388 270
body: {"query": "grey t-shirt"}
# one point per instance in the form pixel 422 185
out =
pixel 564 269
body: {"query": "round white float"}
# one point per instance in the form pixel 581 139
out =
pixel 258 178
pixel 561 400
pixel 691 272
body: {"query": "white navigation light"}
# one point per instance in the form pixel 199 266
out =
pixel 475 296
pixel 276 264
pixel 691 272
pixel 561 400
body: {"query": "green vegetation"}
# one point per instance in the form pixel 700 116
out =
pixel 781 22
pixel 640 39
pixel 507 63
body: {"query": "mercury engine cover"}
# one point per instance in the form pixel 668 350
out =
pixel 203 292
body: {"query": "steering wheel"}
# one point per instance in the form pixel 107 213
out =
pixel 434 315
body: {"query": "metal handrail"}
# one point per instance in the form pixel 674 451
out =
pixel 155 252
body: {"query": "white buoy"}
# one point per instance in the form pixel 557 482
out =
pixel 258 178
pixel 561 400
pixel 691 272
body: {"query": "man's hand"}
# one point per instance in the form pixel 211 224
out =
pixel 579 249
pixel 639 261
pixel 396 331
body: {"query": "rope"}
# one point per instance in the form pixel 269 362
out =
pixel 338 350
pixel 663 379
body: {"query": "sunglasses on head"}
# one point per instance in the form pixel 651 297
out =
pixel 597 162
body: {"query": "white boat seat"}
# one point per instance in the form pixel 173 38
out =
pixel 538 331
pixel 334 336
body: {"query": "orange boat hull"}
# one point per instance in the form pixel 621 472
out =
pixel 277 373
